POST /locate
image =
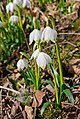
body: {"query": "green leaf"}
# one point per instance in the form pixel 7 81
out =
pixel 75 87
pixel 57 77
pixel 55 74
pixel 65 86
pixel 45 105
pixel 25 77
pixel 31 76
pixel 24 54
pixel 69 95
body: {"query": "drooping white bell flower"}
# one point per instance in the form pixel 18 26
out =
pixel 14 19
pixel 35 35
pixel 43 59
pixel 1 24
pixel 26 3
pixel 11 7
pixel 48 34
pixel 35 54
pixel 18 2
pixel 22 63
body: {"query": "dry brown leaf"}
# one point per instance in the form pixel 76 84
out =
pixel 76 69
pixel 75 65
pixel 35 103
pixel 51 7
pixel 29 111
pixel 39 96
pixel 6 83
pixel 24 114
pixel 16 104
pixel 44 17
pixel 15 76
pixel 78 116
pixel 5 117
pixel 54 14
pixel 75 61
pixel 13 110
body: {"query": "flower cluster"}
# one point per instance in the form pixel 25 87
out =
pixel 13 6
pixel 47 35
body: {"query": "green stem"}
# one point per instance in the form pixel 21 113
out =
pixel 2 18
pixel 56 89
pixel 3 45
pixel 40 2
pixel 36 74
pixel 52 22
pixel 62 3
pixel 60 68
pixel 8 16
pixel 55 84
pixel 59 62
pixel 19 14
pixel 43 1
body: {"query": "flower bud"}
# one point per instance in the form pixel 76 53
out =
pixel 14 19
pixel 22 63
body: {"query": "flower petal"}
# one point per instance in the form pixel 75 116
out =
pixel 49 34
pixel 35 54
pixel 47 57
pixel 41 61
pixel 18 2
pixel 11 7
pixel 34 35
pixel 14 19
pixel 26 3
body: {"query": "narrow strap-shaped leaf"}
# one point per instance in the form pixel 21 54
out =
pixel 45 105
pixel 55 74
pixel 69 95
pixel 24 75
pixel 31 75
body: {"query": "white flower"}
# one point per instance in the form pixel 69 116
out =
pixel 48 34
pixel 14 19
pixel 18 2
pixel 35 54
pixel 35 35
pixel 22 63
pixel 26 3
pixel 43 59
pixel 1 24
pixel 11 7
